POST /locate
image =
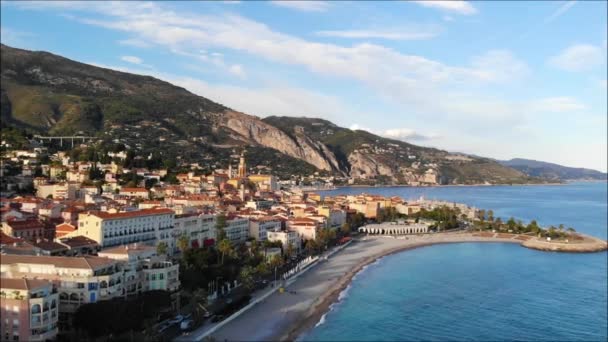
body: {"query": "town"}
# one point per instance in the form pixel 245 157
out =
pixel 84 233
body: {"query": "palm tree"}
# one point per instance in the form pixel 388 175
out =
pixel 182 243
pixel 289 251
pixel 224 247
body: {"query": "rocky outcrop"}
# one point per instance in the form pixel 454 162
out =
pixel 588 245
pixel 256 131
pixel 366 166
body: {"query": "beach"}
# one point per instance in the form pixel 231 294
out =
pixel 285 316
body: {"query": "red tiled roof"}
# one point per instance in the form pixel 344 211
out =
pixel 86 262
pixel 127 214
pixel 22 283
pixel 25 224
pixel 133 190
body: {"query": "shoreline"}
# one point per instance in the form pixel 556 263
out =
pixel 338 187
pixel 288 316
pixel 332 297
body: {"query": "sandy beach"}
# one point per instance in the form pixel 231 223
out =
pixel 285 316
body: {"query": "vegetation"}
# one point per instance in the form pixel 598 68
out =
pixel 120 315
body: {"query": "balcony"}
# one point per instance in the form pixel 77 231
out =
pixel 48 335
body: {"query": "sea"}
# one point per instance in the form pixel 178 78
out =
pixel 483 291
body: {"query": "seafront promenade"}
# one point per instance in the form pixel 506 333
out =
pixel 286 315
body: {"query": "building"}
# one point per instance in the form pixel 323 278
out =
pixel 237 229
pixel 135 192
pixel 306 228
pixel 259 226
pixel 28 229
pixel 65 190
pixel 144 269
pixel 29 309
pixel 121 228
pixel 79 280
pixel 335 217
pixel 396 228
pixel 242 170
pixel 286 238
pixel 265 182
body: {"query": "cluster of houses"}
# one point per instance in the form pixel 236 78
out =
pixel 75 243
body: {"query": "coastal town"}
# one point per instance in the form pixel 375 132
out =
pixel 79 233
pixel 83 236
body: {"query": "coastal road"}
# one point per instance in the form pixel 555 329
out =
pixel 282 314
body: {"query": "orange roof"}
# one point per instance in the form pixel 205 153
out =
pixel 133 190
pixel 86 262
pixel 7 239
pixel 128 214
pixel 22 283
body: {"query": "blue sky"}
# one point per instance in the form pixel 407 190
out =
pixel 499 79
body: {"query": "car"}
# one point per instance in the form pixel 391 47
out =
pixel 178 319
pixel 186 324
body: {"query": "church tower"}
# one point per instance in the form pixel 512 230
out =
pixel 242 167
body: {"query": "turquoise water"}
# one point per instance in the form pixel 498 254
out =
pixel 483 292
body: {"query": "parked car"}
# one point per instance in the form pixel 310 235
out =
pixel 186 324
pixel 178 319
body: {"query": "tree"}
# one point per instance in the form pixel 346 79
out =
pixel 346 228
pixel 225 248
pixel 220 224
pixel 289 250
pixel 183 243
pixel 161 248
pixel 246 276
pixel 511 224
pixel 490 215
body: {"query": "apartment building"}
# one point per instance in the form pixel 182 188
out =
pixel 120 228
pixel 79 280
pixel 144 269
pixel 286 238
pixel 260 226
pixel 306 228
pixel 29 309
pixel 28 229
pixel 237 229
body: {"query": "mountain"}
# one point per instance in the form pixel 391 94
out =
pixel 552 171
pixel 48 94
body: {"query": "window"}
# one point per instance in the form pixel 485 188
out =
pixel 153 277
pixel 161 276
pixel 80 285
pixel 36 308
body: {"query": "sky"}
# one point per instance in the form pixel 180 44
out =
pixel 497 79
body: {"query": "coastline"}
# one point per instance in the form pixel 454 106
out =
pixel 332 297
pixel 338 187
pixel 288 315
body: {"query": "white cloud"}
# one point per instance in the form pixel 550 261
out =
pixel 395 34
pixel 134 43
pixel 132 59
pixel 238 70
pixel 447 18
pixel 455 6
pixel 560 11
pixel 406 134
pixel 579 57
pixel 557 105
pixel 499 65
pixel 305 6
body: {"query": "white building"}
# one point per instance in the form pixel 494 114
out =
pixel 120 228
pixel 259 226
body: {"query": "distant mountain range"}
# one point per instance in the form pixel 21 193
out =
pixel 552 171
pixel 49 94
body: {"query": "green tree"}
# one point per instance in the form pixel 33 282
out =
pixel 225 248
pixel 490 215
pixel 246 277
pixel 161 248
pixel 183 243
pixel 346 228
pixel 289 250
